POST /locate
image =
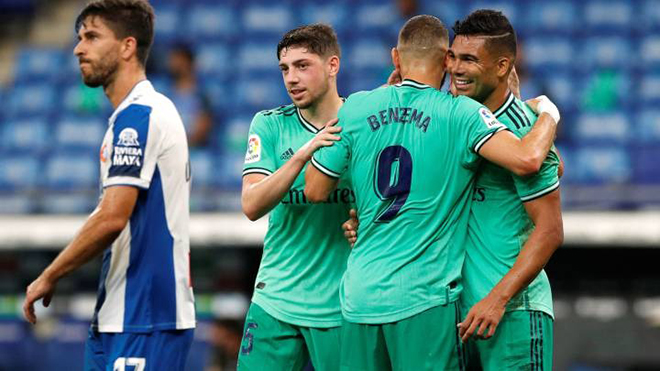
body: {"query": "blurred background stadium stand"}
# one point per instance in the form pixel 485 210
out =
pixel 598 60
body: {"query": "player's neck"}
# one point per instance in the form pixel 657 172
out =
pixel 430 77
pixel 497 98
pixel 324 110
pixel 122 85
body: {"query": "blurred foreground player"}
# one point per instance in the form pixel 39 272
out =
pixel 145 315
pixel 295 312
pixel 515 222
pixel 412 153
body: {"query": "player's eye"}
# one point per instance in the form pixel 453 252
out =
pixel 303 66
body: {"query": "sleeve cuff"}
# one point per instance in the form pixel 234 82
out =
pixel 540 193
pixel 126 180
pixel 257 170
pixel 324 169
pixel 487 137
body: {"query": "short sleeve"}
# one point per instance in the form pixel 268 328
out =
pixel 478 125
pixel 540 184
pixel 333 160
pixel 135 148
pixel 259 157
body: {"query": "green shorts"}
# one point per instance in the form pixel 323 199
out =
pixel 270 344
pixel 425 341
pixel 522 341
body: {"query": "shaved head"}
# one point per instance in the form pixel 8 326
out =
pixel 422 37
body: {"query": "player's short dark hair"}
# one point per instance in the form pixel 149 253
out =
pixel 317 38
pixel 423 31
pixel 125 18
pixel 494 25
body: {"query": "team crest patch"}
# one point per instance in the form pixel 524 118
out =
pixel 489 119
pixel 128 138
pixel 253 149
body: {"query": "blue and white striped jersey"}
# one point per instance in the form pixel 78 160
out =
pixel 145 281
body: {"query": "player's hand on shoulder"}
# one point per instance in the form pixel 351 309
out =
pixel 482 319
pixel 350 227
pixel 543 104
pixel 323 138
pixel 39 288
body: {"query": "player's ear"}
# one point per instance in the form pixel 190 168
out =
pixel 396 60
pixel 128 48
pixel 504 64
pixel 333 65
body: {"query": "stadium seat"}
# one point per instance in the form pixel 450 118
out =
pixel 30 135
pixel 368 53
pixel 213 60
pixel 562 88
pixel 57 202
pixel 234 133
pixel 38 64
pixel 649 52
pixel 609 127
pixel 548 54
pixel 377 18
pixel 15 203
pixel 261 92
pixel 168 22
pixel 76 132
pixel 448 11
pixel 609 52
pixel 602 164
pixel 268 19
pixel 334 13
pixel 202 168
pixel 207 22
pixel 646 164
pixel 509 8
pixel 611 17
pixel 30 99
pixel 647 124
pixel 650 13
pixel 19 172
pixel 231 170
pixel 253 57
pixel 649 90
pixel 71 170
pixel 76 99
pixel 557 17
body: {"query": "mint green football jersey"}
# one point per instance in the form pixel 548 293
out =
pixel 499 225
pixel 305 251
pixel 411 153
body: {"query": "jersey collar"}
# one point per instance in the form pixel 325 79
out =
pixel 507 103
pixel 413 84
pixel 137 91
pixel 308 125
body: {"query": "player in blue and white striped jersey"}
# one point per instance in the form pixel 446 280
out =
pixel 145 315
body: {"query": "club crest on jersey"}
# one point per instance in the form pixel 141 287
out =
pixel 127 152
pixel 128 138
pixel 489 119
pixel 253 149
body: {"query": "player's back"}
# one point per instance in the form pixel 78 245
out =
pixel 411 160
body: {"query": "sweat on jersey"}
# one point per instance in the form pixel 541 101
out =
pixel 499 225
pixel 145 279
pixel 305 250
pixel 411 152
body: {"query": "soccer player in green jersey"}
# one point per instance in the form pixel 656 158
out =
pixel 515 222
pixel 295 312
pixel 412 153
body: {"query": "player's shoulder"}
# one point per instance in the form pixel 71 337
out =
pixel 274 116
pixel 516 115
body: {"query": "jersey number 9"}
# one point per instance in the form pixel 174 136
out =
pixel 392 180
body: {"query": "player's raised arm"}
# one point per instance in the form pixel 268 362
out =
pixel 318 185
pixel 525 156
pixel 98 233
pixel 547 236
pixel 262 192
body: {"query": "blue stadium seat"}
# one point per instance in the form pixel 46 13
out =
pixel 602 164
pixel 649 90
pixel 234 133
pixel 610 52
pixel 38 64
pixel 212 22
pixel 377 18
pixel 65 170
pixel 610 127
pixel 258 57
pixel 231 170
pixel 80 132
pixel 368 53
pixel 546 54
pixel 214 60
pixel 448 11
pixel 650 13
pixel 31 99
pixel 202 167
pixel 562 88
pixel 509 8
pixel 168 22
pixel 649 52
pixel 611 16
pixel 543 16
pixel 648 127
pixel 221 101
pixel 334 13
pixel 646 165
pixel 261 92
pixel 58 202
pixel 273 20
pixel 19 172
pixel 14 203
pixel 78 99
pixel 26 136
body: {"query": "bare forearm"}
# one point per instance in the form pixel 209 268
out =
pixel 536 144
pixel 94 237
pixel 535 254
pixel 261 197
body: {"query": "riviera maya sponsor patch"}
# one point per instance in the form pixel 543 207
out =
pixel 253 153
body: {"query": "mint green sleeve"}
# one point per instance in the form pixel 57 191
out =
pixel 333 160
pixel 259 157
pixel 477 125
pixel 540 184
